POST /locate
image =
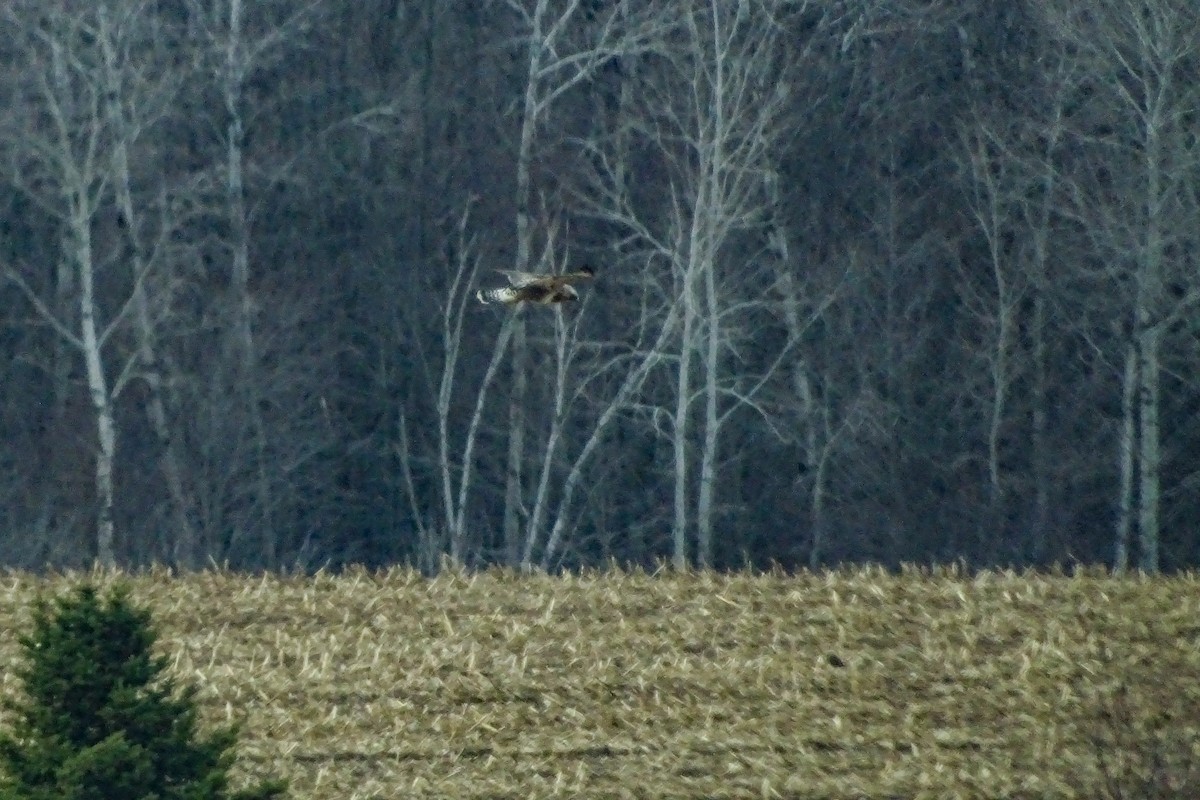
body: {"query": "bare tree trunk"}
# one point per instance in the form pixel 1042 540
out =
pixel 186 549
pixel 1039 424
pixel 708 453
pixel 98 390
pixel 106 430
pixel 1000 385
pixel 562 357
pixel 716 136
pixel 680 431
pixel 721 133
pixel 454 501
pixel 517 399
pixel 814 459
pixel 452 327
pixel 816 513
pixel 1149 452
pixel 993 188
pixel 1148 308
pixel 235 70
pixel 184 543
pixel 1041 458
pixel 458 531
pixel 1126 450
pixel 80 208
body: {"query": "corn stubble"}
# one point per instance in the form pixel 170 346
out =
pixel 844 684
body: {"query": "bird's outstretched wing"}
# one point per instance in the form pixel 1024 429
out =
pixel 520 280
pixel 582 274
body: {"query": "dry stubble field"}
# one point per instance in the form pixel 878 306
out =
pixel 837 685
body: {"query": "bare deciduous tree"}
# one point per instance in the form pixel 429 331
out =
pixel 566 42
pixel 94 90
pixel 241 43
pixel 1141 124
pixel 713 107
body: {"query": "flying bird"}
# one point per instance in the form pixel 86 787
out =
pixel 537 288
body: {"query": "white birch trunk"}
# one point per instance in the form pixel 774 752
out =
pixel 712 309
pixel 451 338
pixel 708 453
pixel 77 190
pixel 455 499
pixel 98 390
pixel 458 522
pixel 681 428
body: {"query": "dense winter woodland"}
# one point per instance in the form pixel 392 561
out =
pixel 877 280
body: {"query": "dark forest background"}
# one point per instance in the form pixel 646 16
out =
pixel 877 280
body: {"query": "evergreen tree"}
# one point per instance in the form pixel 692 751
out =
pixel 99 718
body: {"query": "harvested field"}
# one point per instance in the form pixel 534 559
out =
pixel 839 685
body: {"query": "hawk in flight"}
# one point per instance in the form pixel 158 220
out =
pixel 532 287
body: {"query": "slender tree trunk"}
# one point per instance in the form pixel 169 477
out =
pixel 708 455
pixel 453 319
pixel 1000 380
pixel 712 174
pixel 184 543
pixel 445 466
pixel 541 497
pixel 244 311
pixel 458 522
pixel 1149 297
pixel 186 548
pixel 517 399
pixel 1126 458
pixel 814 460
pixel 816 514
pixel 513 483
pixel 683 392
pixel 98 389
pixel 1039 428
pixel 1149 453
pixel 1039 352
pixel 1041 357
pixel 80 208
pixel 991 210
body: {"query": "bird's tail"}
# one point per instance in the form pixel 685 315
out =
pixel 502 295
